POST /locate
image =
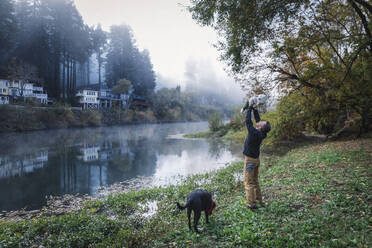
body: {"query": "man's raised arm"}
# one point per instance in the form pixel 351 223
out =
pixel 248 120
pixel 256 115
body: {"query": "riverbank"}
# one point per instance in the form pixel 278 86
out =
pixel 315 194
pixel 27 118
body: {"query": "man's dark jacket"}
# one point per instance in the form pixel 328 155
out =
pixel 254 138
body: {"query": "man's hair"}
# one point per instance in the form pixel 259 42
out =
pixel 266 128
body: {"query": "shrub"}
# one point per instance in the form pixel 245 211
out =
pixel 237 123
pixel 144 116
pixel 296 113
pixel 215 122
pixel 287 121
pixel 91 118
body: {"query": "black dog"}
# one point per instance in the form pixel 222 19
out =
pixel 197 201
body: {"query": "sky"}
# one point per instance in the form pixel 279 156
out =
pixel 181 51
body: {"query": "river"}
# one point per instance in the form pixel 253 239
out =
pixel 35 165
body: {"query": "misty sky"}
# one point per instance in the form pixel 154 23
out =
pixel 181 51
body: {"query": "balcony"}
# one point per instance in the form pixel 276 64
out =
pixel 41 96
pixel 89 100
pixel 38 88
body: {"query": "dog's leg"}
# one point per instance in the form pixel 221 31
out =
pixel 206 216
pixel 188 217
pixel 196 220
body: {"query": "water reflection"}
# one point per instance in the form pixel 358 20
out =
pixel 35 165
pixel 11 166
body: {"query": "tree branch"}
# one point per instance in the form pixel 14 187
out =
pixel 365 5
pixel 295 77
pixel 364 20
pixel 351 63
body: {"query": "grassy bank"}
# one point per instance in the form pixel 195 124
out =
pixel 315 195
pixel 226 132
pixel 27 118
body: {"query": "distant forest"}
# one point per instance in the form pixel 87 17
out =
pixel 47 42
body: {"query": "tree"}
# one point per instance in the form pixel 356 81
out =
pixel 52 37
pixel 124 60
pixel 120 56
pixel 327 62
pixel 146 73
pixel 99 40
pixel 122 87
pixel 318 48
pixel 23 73
pixel 243 25
pixel 8 28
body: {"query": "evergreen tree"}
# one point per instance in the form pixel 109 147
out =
pixel 52 37
pixel 124 60
pixel 99 41
pixel 8 28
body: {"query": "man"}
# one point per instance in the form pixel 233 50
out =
pixel 252 152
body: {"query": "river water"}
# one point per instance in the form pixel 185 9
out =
pixel 35 165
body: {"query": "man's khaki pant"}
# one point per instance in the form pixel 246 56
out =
pixel 252 189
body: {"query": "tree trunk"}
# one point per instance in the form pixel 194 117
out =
pixel 71 79
pixel 74 82
pixel 63 78
pixel 365 120
pixel 88 71
pixel 68 78
pixel 99 69
pixel 365 5
pixel 57 76
pixel 364 21
pixel 99 72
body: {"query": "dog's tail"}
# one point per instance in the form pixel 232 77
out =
pixel 180 206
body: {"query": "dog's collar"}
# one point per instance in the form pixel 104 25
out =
pixel 210 210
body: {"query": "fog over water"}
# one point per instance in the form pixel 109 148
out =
pixel 37 164
pixel 181 51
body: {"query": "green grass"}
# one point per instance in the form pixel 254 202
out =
pixel 197 135
pixel 208 134
pixel 316 195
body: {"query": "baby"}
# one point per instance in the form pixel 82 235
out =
pixel 257 102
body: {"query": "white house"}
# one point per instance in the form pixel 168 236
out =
pixel 4 92
pixel 26 89
pixel 9 88
pixel 40 95
pixel 14 89
pixel 88 99
pixel 4 87
pixel 4 99
pixel 105 97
